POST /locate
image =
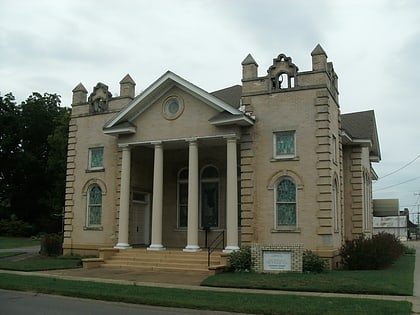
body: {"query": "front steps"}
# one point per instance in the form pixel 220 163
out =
pixel 165 260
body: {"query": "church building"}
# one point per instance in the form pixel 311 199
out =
pixel 270 161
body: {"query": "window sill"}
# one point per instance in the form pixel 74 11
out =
pixel 95 170
pixel 280 159
pixel 285 230
pixel 93 228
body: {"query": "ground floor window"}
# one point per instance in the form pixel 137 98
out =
pixel 94 216
pixel 183 198
pixel 286 203
pixel 209 197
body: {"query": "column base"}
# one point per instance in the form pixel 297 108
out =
pixel 156 247
pixel 229 249
pixel 192 248
pixel 123 246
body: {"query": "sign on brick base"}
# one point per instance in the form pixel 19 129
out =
pixel 277 257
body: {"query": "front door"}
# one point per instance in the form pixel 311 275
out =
pixel 139 219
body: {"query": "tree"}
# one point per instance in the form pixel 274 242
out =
pixel 10 148
pixel 35 192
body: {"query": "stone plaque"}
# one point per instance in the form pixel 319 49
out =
pixel 277 260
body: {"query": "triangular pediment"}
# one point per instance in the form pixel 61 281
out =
pixel 160 88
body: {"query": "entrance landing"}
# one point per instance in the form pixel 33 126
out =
pixel 165 260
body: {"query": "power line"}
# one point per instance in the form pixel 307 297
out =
pixel 407 181
pixel 401 168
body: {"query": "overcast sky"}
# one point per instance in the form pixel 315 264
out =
pixel 51 46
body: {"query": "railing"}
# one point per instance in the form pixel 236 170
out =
pixel 220 239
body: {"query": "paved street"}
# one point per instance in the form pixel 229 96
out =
pixel 24 303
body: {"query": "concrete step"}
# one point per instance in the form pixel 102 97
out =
pixel 160 260
pixel 176 260
pixel 158 268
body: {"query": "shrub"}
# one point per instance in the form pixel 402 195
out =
pixel 312 262
pixel 15 227
pixel 51 245
pixel 377 252
pixel 241 260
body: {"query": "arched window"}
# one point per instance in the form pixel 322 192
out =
pixel 94 215
pixel 209 197
pixel 183 198
pixel 286 203
pixel 335 205
pixel 367 201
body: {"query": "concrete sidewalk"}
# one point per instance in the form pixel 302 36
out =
pixel 26 252
pixel 416 287
pixel 192 280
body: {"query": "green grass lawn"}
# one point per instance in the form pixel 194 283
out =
pixel 196 299
pixel 14 242
pixel 39 263
pixel 397 280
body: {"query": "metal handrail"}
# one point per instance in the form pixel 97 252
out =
pixel 210 249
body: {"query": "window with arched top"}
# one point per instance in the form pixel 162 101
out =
pixel 94 207
pixel 182 199
pixel 367 201
pixel 286 216
pixel 209 183
pixel 335 205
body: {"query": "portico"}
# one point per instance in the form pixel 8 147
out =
pixel 163 192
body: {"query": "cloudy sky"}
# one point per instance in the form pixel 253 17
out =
pixel 51 46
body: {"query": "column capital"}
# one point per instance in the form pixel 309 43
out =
pixel 192 140
pixel 231 138
pixel 156 143
pixel 124 146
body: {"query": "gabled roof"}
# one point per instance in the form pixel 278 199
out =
pixel 161 86
pixel 360 128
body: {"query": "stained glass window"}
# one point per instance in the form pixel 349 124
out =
pixel 286 202
pixel 95 205
pixel 285 144
pixel 96 157
pixel 210 197
pixel 183 198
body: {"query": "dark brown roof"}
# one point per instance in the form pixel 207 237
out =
pixel 362 126
pixel 359 125
pixel 231 95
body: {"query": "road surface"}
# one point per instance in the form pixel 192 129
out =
pixel 24 303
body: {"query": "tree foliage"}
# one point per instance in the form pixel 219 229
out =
pixel 33 148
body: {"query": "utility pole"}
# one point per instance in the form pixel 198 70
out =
pixel 418 217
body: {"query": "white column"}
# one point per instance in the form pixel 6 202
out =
pixel 124 199
pixel 231 197
pixel 157 203
pixel 192 230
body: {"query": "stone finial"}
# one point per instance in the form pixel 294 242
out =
pixel 319 58
pixel 127 87
pixel 79 94
pixel 99 98
pixel 249 68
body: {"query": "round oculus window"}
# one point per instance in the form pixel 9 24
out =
pixel 172 108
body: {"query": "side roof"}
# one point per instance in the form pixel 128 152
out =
pixel 230 95
pixel 359 128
